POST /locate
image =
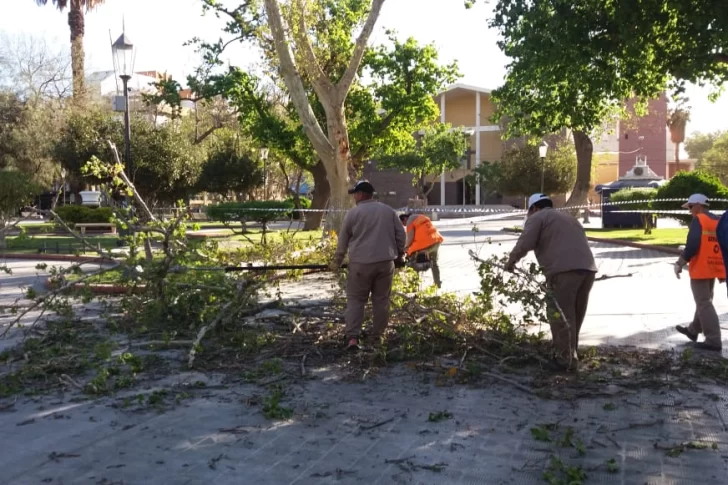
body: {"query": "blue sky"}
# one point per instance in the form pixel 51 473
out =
pixel 159 28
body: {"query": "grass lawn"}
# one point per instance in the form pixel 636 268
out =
pixel 671 237
pixel 277 236
pixel 255 235
pixel 56 244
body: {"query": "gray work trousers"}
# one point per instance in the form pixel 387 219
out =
pixel 706 319
pixel 373 279
pixel 432 252
pixel 571 290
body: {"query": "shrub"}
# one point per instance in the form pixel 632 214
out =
pixel 684 184
pixel 637 199
pixel 75 214
pixel 304 202
pixel 263 211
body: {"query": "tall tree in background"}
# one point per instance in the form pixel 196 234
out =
pixel 76 11
pixel 229 167
pixel 715 159
pixel 32 69
pixel 382 114
pixel 521 169
pixel 677 121
pixel 698 144
pixel 301 33
pixel 439 150
pixel 573 62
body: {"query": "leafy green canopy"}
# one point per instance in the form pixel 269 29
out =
pixel 683 185
pixel 519 172
pixel 166 162
pixel 229 167
pixel 586 55
pixel 699 143
pixel 715 159
pixel 441 148
pixel 382 113
pixel 17 190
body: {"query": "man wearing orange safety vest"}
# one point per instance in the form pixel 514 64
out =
pixel 422 237
pixel 702 253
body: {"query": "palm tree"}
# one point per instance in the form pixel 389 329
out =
pixel 76 11
pixel 676 122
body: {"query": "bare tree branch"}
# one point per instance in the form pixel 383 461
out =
pixel 294 83
pixel 347 79
pixel 321 83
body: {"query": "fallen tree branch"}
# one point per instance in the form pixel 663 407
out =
pixel 203 330
pixel 509 381
pixel 51 295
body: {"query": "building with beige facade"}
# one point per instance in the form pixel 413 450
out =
pixel 471 109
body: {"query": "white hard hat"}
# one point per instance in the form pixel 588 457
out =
pixel 536 198
pixel 696 199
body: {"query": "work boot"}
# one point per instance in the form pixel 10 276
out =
pixel 685 331
pixel 704 346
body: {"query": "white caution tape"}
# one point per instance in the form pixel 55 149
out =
pixel 491 210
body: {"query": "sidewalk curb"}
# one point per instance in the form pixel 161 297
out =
pixel 662 249
pixel 629 244
pixel 101 288
pixel 53 257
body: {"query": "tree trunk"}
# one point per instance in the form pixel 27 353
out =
pixel 677 158
pixel 584 151
pixel 337 167
pixel 3 233
pixel 76 24
pixel 320 197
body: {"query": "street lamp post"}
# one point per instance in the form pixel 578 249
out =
pixel 124 56
pixel 542 151
pixel 63 185
pixel 264 157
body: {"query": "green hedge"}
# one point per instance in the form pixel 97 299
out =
pixel 637 198
pixel 75 214
pixel 683 185
pixel 634 195
pixel 262 211
pixel 305 204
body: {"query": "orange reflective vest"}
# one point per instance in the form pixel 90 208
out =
pixel 425 235
pixel 708 263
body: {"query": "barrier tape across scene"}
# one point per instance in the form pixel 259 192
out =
pixel 495 213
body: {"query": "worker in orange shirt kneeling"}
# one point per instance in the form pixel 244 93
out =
pixel 423 237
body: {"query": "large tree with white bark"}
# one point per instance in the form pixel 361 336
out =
pixel 295 36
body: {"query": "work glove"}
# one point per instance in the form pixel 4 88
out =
pixel 678 269
pixel 510 266
pixel 335 266
pixel 400 262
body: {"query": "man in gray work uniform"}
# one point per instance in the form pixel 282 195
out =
pixel 562 250
pixel 374 238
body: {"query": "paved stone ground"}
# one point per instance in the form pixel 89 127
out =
pixel 377 431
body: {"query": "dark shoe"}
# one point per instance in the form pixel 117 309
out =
pixel 684 330
pixel 704 346
pixel 353 345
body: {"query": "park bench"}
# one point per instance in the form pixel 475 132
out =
pixel 95 225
